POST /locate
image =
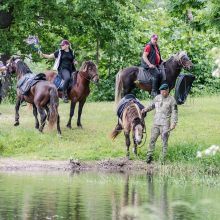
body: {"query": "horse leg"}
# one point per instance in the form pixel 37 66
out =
pixel 43 117
pixel 48 112
pixel 35 115
pixel 17 107
pixel 58 124
pixel 127 142
pixel 135 149
pixel 72 108
pixel 81 104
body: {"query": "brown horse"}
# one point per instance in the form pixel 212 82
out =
pixel 126 79
pixel 43 96
pixel 80 90
pixel 132 120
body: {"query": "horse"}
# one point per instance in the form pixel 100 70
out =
pixel 126 79
pixel 132 120
pixel 42 95
pixel 79 90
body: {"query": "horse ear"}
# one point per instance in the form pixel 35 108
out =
pixel 85 67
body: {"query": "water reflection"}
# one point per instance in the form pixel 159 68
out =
pixel 103 196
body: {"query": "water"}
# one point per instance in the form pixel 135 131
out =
pixel 104 196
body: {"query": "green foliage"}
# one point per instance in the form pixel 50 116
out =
pixel 113 33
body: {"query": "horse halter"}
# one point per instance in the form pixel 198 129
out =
pixel 90 76
pixel 181 62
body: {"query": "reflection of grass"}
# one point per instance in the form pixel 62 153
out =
pixel 178 210
pixel 198 128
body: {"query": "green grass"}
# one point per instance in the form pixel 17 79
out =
pixel 198 128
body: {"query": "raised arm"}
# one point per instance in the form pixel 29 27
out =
pixel 47 56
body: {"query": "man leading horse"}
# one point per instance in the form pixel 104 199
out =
pixel 151 60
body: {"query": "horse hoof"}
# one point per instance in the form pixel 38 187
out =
pixel 80 126
pixel 69 126
pixel 37 126
pixel 16 123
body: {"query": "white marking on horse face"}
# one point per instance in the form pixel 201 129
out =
pixel 138 134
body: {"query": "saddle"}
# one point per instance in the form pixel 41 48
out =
pixel 125 101
pixel 29 80
pixel 144 76
pixel 58 81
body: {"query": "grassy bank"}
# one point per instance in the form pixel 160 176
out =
pixel 198 128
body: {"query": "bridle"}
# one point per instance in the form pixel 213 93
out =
pixel 181 62
pixel 90 76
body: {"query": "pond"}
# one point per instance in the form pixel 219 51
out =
pixel 99 195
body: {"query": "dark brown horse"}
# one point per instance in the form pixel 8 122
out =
pixel 80 90
pixel 43 96
pixel 126 79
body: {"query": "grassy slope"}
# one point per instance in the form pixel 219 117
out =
pixel 198 128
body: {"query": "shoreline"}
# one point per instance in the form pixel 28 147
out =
pixel 106 165
pixel 120 164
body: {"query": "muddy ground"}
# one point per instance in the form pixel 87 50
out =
pixel 120 164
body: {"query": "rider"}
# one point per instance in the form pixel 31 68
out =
pixel 65 60
pixel 151 60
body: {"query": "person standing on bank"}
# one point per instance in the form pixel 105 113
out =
pixel 64 64
pixel 165 120
pixel 150 61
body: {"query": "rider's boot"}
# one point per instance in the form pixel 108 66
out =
pixel 65 97
pixel 154 91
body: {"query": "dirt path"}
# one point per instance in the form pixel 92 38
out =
pixel 120 164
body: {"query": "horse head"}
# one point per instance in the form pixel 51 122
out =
pixel 91 69
pixel 138 126
pixel 183 60
pixel 15 64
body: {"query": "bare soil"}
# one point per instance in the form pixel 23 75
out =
pixel 120 164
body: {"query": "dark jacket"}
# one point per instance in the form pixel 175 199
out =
pixel 151 56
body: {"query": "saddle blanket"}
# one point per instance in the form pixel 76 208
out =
pixel 124 101
pixel 144 76
pixel 29 80
pixel 58 82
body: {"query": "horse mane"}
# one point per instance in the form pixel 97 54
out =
pixel 22 68
pixel 133 112
pixel 177 56
pixel 85 66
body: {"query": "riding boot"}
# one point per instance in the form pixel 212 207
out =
pixel 154 91
pixel 65 97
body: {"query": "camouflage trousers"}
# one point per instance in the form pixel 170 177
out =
pixel 156 131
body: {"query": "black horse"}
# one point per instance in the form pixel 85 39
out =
pixel 126 79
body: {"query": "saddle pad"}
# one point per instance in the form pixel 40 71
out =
pixel 124 101
pixel 29 80
pixel 58 82
pixel 144 76
pixel 183 85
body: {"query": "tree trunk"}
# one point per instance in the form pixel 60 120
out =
pixel 5 81
pixel 97 51
pixel 6 17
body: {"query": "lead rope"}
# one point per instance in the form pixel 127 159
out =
pixel 144 132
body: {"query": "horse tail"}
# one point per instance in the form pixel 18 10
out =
pixel 53 112
pixel 116 131
pixel 118 88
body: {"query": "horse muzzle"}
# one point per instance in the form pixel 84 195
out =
pixel 96 79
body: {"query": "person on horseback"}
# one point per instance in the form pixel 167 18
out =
pixel 64 64
pixel 150 61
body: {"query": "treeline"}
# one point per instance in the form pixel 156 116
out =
pixel 113 34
